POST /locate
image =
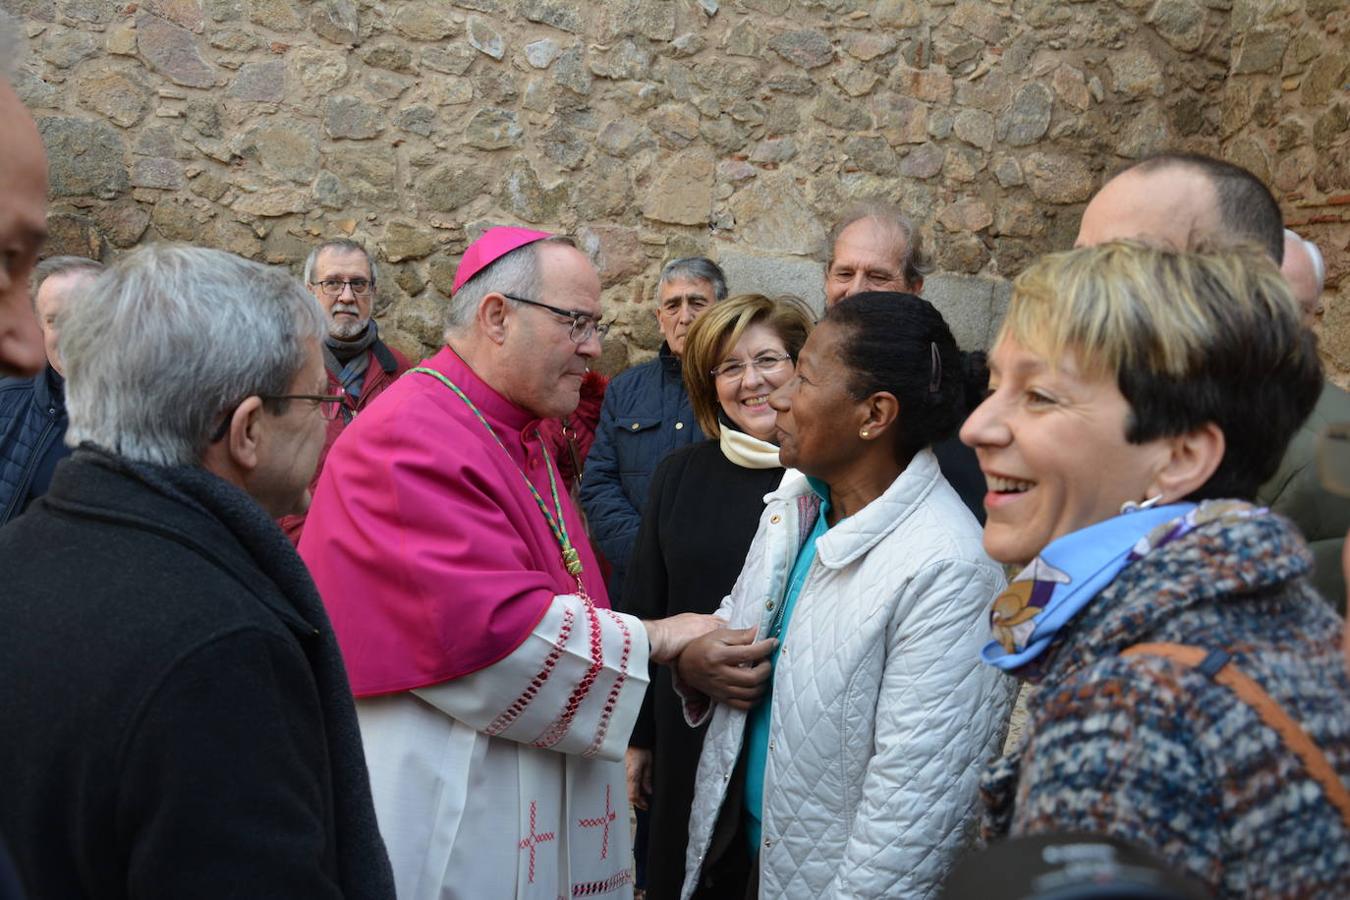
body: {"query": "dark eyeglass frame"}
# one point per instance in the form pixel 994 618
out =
pixel 1333 458
pixel 330 407
pixel 580 320
pixel 326 286
pixel 772 360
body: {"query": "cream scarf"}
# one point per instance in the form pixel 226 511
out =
pixel 748 452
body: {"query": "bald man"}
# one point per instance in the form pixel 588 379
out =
pixel 1305 270
pixel 1183 200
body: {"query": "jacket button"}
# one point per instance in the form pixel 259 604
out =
pixel 679 425
pixel 726 776
pixel 772 745
pixel 636 426
pixel 768 604
pixel 768 842
pixel 775 519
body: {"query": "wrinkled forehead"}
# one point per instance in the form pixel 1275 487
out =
pixel 873 241
pixel 59 288
pixel 685 287
pixel 339 261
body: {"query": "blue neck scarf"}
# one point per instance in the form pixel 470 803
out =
pixel 1064 578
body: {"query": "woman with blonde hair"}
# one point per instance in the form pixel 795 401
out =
pixel 1189 693
pixel 704 503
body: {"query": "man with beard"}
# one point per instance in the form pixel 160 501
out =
pixel 341 274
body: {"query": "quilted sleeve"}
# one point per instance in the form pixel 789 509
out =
pixel 940 713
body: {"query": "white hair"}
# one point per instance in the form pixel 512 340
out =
pixel 1319 265
pixel 515 273
pixel 170 339
pixel 342 246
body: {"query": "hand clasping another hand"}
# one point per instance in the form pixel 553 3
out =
pixel 728 665
pixel 669 636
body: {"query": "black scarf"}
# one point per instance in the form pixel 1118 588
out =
pixel 363 862
pixel 347 361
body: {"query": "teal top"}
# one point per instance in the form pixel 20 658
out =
pixel 756 744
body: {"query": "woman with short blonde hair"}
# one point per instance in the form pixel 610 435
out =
pixel 1139 397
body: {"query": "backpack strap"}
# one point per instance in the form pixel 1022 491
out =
pixel 1217 665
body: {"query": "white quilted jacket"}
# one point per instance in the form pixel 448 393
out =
pixel 883 714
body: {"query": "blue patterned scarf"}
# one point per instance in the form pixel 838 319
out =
pixel 1067 574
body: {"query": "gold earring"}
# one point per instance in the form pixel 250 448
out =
pixel 863 433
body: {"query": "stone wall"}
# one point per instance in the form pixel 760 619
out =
pixel 655 128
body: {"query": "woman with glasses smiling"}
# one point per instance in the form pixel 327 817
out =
pixel 701 513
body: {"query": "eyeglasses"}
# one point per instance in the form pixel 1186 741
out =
pixel 583 325
pixel 1333 458
pixel 330 406
pixel 332 287
pixel 764 364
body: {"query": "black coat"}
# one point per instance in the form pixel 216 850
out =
pixel 176 721
pixel 702 514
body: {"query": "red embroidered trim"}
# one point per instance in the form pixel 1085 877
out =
pixel 612 700
pixel 595 888
pixel 532 839
pixel 555 732
pixel 517 707
pixel 599 821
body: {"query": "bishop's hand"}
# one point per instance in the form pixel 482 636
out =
pixel 670 635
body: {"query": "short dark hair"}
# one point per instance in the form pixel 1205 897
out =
pixel 900 344
pixel 62 265
pixel 1190 338
pixel 1247 210
pixel 695 268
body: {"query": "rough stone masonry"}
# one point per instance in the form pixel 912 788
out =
pixel 656 128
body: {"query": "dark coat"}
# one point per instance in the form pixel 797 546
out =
pixel 32 425
pixel 702 515
pixel 646 414
pixel 178 722
pixel 1296 491
pixel 386 365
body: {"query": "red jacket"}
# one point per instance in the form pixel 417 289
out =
pixel 378 377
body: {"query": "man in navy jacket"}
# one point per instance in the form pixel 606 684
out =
pixel 646 414
pixel 33 410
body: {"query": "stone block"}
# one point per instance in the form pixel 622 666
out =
pixel 560 14
pixel 424 20
pixel 542 53
pixel 187 13
pixel 966 215
pixel 70 234
pixel 967 304
pixel 484 38
pixel 1029 117
pixel 289 149
pixel 157 172
pixel 772 215
pixel 493 128
pixel 1059 178
pixel 123 222
pixel 84 157
pixel 350 117
pixel 269 203
pixel 1260 50
pixel 522 194
pixel 405 240
pixel 392 55
pixel 260 82
pixel 760 273
pixel 616 251
pixel 976 127
pixel 924 161
pixel 336 21
pixel 871 153
pixel 1136 73
pixel 120 96
pixel 320 71
pixel 681 191
pixel 1179 22
pixel 172 51
pixel 278 15
pixel 807 48
pixel 67 49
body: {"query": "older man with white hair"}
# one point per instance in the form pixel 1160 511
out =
pixel 1306 271
pixel 179 723
pixel 496 688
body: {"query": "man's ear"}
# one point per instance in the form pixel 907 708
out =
pixel 916 286
pixel 1191 460
pixel 244 439
pixel 492 317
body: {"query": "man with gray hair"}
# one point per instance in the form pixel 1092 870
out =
pixel 646 414
pixel 181 723
pixel 344 279
pixel 33 410
pixel 495 686
pixel 1306 272
pixel 876 247
pixel 23 216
